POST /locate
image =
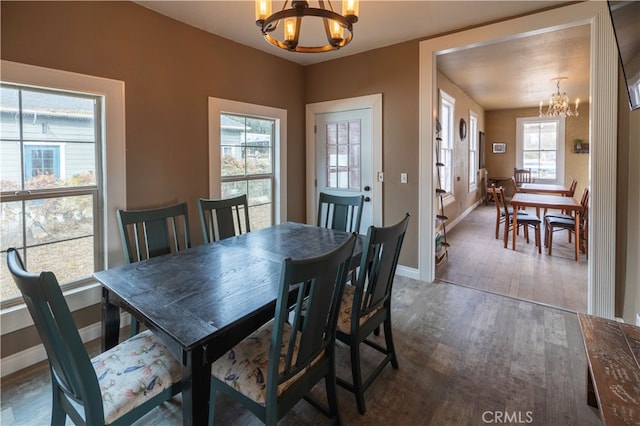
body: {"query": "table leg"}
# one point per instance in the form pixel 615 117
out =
pixel 577 231
pixel 196 380
pixel 110 322
pixel 515 227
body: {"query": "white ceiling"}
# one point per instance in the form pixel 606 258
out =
pixel 510 74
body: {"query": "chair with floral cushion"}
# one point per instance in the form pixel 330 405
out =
pixel 223 218
pixel 115 388
pixel 153 232
pixel 367 305
pixel 277 365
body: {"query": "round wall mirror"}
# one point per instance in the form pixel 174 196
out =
pixel 463 129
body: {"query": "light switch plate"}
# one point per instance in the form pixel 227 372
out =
pixel 380 177
pixel 403 178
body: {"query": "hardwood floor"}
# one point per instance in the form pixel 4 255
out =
pixel 467 357
pixel 476 259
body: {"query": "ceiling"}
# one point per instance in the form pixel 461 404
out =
pixel 507 74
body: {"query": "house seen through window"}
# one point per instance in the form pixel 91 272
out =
pixel 49 178
pixel 247 164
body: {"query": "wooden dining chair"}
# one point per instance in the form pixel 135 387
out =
pixel 563 221
pixel 116 387
pixel 501 217
pixel 153 232
pixel 340 212
pixel 367 305
pixel 525 220
pixel 223 218
pixel 522 176
pixel 273 368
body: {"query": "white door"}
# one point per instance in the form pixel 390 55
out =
pixel 344 157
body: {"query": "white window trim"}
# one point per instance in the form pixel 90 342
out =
pixel 449 197
pixel 560 145
pixel 114 175
pixel 473 136
pixel 219 106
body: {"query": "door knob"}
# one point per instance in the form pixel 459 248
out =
pixel 367 199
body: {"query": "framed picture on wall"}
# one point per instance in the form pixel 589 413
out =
pixel 499 147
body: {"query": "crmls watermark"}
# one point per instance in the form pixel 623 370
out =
pixel 508 417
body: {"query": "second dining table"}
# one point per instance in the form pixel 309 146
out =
pixel 203 301
pixel 522 200
pixel 544 188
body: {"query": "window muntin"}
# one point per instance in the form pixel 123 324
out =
pixel 50 149
pixel 343 147
pixel 247 164
pixel 447 110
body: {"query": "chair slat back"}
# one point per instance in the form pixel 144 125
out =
pixel 378 267
pixel 223 218
pixel 154 232
pixel 68 358
pixel 572 187
pixel 320 284
pixel 522 176
pixel 343 213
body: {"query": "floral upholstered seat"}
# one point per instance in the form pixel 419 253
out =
pixel 244 367
pixel 346 310
pixel 133 372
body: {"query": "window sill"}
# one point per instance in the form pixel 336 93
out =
pixel 17 317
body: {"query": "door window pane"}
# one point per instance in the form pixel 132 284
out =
pixel 343 141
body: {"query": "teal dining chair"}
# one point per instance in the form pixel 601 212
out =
pixel 366 306
pixel 223 218
pixel 116 387
pixel 153 232
pixel 277 365
pixel 340 212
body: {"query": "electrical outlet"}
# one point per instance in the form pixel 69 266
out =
pixel 403 178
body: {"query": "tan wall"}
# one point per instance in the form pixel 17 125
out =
pixel 501 127
pixel 394 73
pixel 464 198
pixel 169 69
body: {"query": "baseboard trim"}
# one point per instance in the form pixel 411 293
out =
pixel 33 355
pixel 405 271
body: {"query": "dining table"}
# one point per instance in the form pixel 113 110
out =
pixel 522 200
pixel 544 188
pixel 202 301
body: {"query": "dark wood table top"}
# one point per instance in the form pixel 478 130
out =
pixel 202 301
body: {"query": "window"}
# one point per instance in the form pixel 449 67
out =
pixel 247 155
pixel 343 154
pixel 446 145
pixel 247 164
pixel 50 145
pixel 473 150
pixel 540 148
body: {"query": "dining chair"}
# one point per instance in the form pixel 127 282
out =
pixel 153 232
pixel 367 305
pixel 501 217
pixel 562 221
pixel 340 212
pixel 277 365
pixel 522 176
pixel 223 218
pixel 525 220
pixel 116 387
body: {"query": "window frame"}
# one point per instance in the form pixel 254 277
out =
pixel 114 178
pixel 473 151
pixel 560 145
pixel 219 106
pixel 449 102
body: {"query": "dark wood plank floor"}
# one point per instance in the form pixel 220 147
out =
pixel 478 260
pixel 466 356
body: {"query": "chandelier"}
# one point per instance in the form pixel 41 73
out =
pixel 291 19
pixel 559 103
